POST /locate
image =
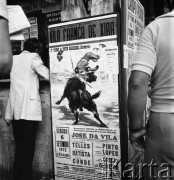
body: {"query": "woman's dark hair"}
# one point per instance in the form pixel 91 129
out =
pixel 32 45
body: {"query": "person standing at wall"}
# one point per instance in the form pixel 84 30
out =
pixel 154 63
pixel 5 45
pixel 24 105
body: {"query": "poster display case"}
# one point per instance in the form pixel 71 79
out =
pixel 90 147
pixel 135 24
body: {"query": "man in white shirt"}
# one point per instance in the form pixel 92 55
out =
pixel 154 63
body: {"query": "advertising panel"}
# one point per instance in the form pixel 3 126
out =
pixel 31 32
pixel 135 24
pixel 84 98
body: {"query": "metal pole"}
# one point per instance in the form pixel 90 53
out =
pixel 121 39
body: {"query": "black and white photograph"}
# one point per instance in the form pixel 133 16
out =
pixel 86 89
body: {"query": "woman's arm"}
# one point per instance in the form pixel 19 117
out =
pixel 39 68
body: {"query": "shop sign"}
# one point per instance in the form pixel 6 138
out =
pixel 53 17
pixel 16 47
pixel 135 22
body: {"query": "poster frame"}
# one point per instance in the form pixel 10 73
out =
pixel 119 76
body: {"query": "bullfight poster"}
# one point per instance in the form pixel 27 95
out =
pixel 84 98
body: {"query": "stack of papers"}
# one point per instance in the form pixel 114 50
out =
pixel 19 36
pixel 17 22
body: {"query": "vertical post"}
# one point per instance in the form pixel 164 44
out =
pixel 160 9
pixel 150 14
pixel 121 39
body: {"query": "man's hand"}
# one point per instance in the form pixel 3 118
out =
pixel 137 139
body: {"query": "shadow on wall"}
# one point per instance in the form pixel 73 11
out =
pixel 6 141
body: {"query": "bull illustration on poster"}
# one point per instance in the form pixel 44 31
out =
pixel 75 88
pixel 83 79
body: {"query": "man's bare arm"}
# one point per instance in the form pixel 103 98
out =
pixel 137 96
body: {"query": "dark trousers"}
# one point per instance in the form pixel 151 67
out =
pixel 24 132
pixel 159 151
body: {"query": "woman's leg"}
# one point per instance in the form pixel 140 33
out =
pixel 17 126
pixel 29 138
